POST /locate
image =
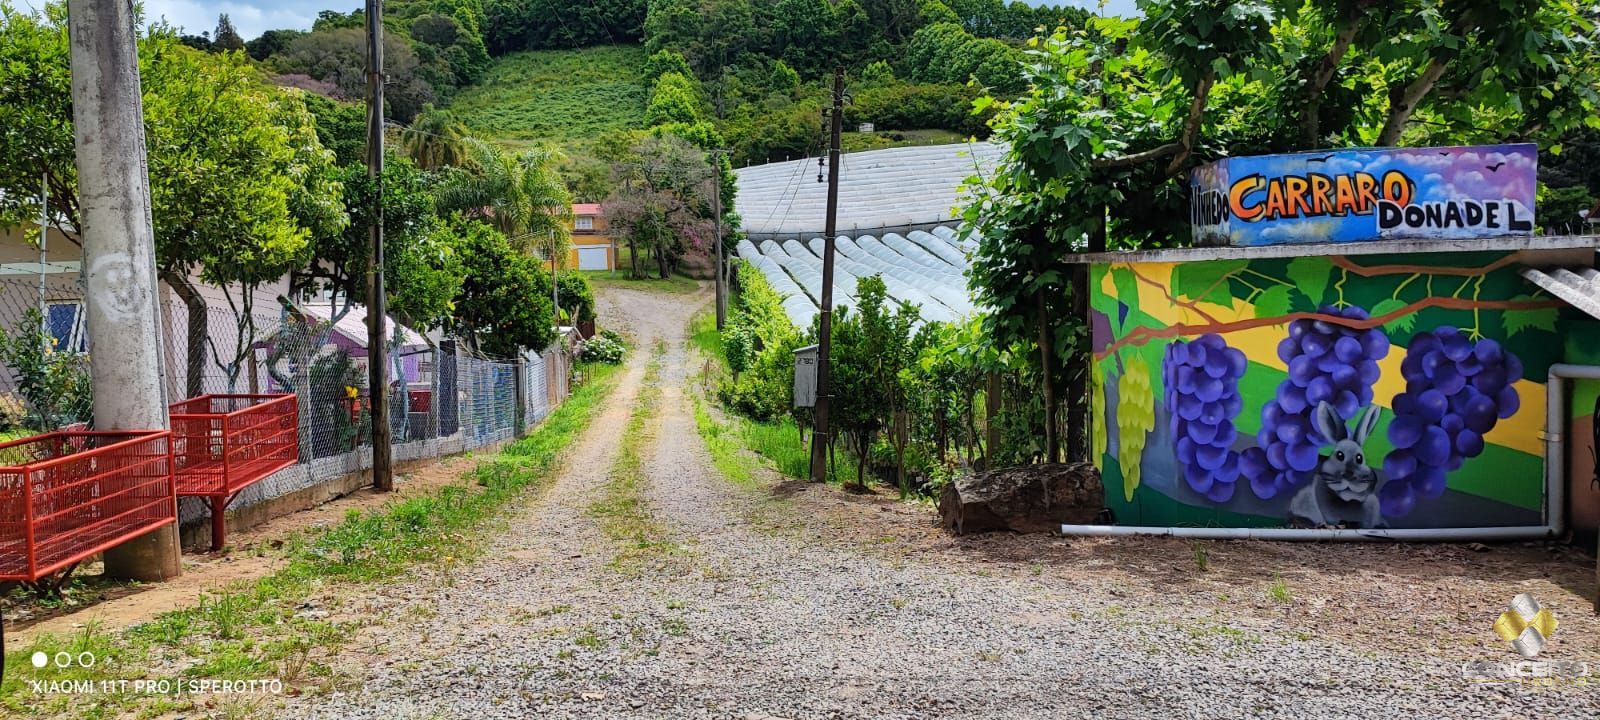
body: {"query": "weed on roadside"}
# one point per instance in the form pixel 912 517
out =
pixel 1279 590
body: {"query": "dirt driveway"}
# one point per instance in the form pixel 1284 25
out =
pixel 795 601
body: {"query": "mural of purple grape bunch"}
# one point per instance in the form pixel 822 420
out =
pixel 1327 362
pixel 1202 381
pixel 1456 391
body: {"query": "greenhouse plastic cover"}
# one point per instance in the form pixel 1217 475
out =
pixel 893 188
pixel 925 269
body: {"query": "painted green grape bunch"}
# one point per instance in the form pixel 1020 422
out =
pixel 1136 417
pixel 1097 404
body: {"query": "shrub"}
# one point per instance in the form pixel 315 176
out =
pixel 577 297
pixel 53 384
pixel 602 349
pixel 762 348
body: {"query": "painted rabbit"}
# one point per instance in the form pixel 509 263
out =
pixel 1343 490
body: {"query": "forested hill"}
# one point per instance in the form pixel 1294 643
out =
pixel 754 68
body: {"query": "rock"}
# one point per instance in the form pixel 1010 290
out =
pixel 1028 499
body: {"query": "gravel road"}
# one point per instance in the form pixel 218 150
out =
pixel 747 620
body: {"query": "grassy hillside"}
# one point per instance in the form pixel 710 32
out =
pixel 570 97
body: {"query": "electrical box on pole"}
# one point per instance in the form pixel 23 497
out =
pixel 805 377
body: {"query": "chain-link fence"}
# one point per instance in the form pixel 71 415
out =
pixel 443 398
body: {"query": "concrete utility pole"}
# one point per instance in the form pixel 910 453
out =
pixel 119 249
pixel 377 301
pixel 821 433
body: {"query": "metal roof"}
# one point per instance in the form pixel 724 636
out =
pixel 925 269
pixel 353 325
pixel 897 188
pixel 1578 287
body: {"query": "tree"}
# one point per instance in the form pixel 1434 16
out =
pixel 423 270
pixel 1075 141
pixel 504 302
pixel 239 182
pixel 662 206
pixel 887 349
pixel 436 139
pixel 338 55
pixel 226 38
pixel 270 43
pixel 674 99
pixel 662 62
pixel 521 195
pixel 512 25
pixel 341 127
pixel 804 32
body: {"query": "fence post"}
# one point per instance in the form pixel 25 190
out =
pixel 519 375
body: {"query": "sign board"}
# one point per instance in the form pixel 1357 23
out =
pixel 1439 193
pixel 805 376
pixel 865 127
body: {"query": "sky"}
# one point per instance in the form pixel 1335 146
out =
pixel 252 17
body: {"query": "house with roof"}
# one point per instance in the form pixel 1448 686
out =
pixel 593 246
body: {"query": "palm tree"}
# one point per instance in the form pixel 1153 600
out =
pixel 521 195
pixel 436 139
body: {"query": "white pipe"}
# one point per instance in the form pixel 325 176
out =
pixel 1555 441
pixel 1279 533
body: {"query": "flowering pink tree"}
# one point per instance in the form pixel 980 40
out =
pixel 662 206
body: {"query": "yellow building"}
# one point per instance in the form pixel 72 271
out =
pixel 592 247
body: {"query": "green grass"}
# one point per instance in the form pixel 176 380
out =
pixel 571 97
pixel 777 441
pixel 621 508
pixel 254 629
pixel 677 284
pixel 856 142
pixel 704 336
pixel 1279 590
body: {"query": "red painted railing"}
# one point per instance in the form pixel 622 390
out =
pixel 67 495
pixel 222 444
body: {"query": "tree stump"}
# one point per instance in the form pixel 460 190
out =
pixel 1025 499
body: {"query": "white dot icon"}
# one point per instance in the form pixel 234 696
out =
pixel 40 659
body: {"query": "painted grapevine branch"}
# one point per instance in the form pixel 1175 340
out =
pixel 1142 335
pixel 1167 293
pixel 1344 263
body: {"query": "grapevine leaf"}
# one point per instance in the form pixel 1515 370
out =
pixel 1404 323
pixel 1273 302
pixel 1127 294
pixel 1203 281
pixel 1311 275
pixel 1127 286
pixel 1516 321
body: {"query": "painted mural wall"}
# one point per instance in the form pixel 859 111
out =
pixel 1398 391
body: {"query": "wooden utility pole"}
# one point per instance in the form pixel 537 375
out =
pixel 119 250
pixel 822 433
pixel 377 301
pixel 555 282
